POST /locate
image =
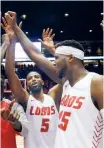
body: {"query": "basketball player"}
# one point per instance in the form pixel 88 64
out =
pixel 81 106
pixel 40 108
pixel 12 116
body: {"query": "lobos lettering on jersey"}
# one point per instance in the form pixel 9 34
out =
pixel 42 110
pixel 69 101
pixel 72 101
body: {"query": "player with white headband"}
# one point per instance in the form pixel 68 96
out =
pixel 65 50
pixel 81 107
pixel 81 122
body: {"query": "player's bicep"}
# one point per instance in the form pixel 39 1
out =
pixel 97 90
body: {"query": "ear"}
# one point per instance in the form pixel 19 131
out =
pixel 70 58
pixel 42 82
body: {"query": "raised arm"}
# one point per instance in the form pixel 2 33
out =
pixel 5 46
pixel 20 94
pixel 32 51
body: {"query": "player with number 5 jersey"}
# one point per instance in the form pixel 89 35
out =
pixel 43 117
pixel 40 108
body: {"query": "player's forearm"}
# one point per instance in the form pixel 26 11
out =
pixel 27 45
pixel 3 49
pixel 10 59
pixel 43 63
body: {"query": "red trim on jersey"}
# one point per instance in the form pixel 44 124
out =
pixel 98 128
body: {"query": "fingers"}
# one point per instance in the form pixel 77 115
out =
pixel 10 117
pixel 43 33
pixel 7 16
pixel 53 35
pixel 17 117
pixel 14 116
pixel 48 33
pixel 3 27
pixel 4 21
pixel 20 25
pixel 11 13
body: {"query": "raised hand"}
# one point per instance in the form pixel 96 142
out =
pixel 11 19
pixel 47 40
pixel 7 27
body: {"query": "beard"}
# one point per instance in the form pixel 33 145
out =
pixel 61 73
pixel 35 89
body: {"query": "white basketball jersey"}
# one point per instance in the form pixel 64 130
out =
pixel 80 122
pixel 43 119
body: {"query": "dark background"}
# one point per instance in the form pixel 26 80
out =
pixel 83 16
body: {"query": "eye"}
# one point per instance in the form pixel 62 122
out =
pixel 37 76
pixel 29 78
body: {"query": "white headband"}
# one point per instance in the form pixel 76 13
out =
pixel 68 50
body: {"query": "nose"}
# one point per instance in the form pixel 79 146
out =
pixel 33 79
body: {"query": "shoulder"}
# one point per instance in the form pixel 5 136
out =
pixel 97 81
pixel 55 88
pixel 55 91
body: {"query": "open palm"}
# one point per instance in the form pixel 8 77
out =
pixel 47 40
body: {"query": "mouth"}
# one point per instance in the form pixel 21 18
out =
pixel 35 84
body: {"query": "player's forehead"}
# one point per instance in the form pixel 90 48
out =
pixel 33 74
pixel 59 56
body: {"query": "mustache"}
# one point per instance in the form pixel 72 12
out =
pixel 35 89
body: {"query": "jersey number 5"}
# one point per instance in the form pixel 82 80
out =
pixel 45 125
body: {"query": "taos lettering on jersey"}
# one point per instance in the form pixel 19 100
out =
pixel 72 101
pixel 42 111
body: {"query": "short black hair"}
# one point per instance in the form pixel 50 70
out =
pixel 71 43
pixel 34 72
